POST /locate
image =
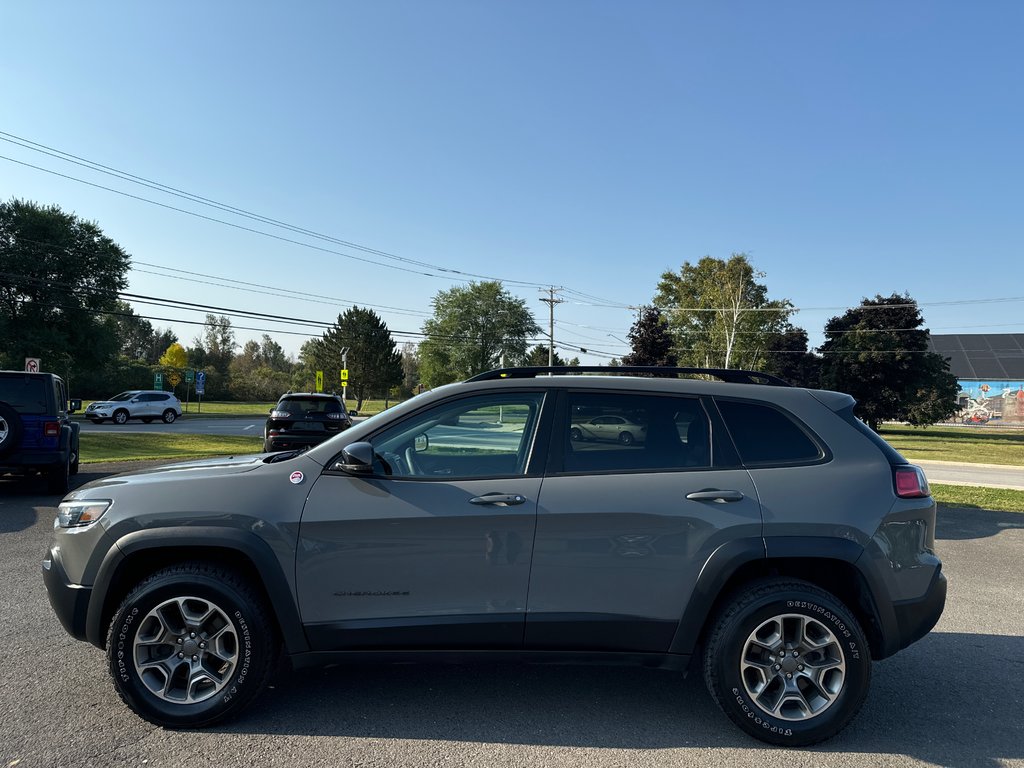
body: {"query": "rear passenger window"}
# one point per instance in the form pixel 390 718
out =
pixel 764 435
pixel 621 432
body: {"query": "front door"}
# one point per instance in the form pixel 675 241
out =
pixel 433 549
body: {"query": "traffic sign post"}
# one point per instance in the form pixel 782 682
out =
pixel 344 383
pixel 200 388
pixel 190 376
pixel 158 380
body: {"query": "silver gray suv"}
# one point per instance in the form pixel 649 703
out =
pixel 758 533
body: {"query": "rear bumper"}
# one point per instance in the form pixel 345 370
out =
pixel 27 460
pixel 284 442
pixel 69 601
pixel 915 618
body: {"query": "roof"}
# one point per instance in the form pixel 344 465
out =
pixel 983 356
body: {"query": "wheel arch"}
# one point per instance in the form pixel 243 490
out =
pixel 830 564
pixel 142 553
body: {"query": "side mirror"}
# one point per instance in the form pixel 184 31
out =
pixel 271 410
pixel 357 458
pixel 74 405
pixel 353 412
pixel 421 443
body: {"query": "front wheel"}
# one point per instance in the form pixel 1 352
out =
pixel 191 645
pixel 787 662
pixel 120 417
pixel 626 438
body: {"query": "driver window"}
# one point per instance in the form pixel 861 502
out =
pixel 484 436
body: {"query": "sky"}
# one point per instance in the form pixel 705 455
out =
pixel 849 149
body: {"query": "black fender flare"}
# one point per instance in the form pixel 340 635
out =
pixel 246 543
pixel 725 561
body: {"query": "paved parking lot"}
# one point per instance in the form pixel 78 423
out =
pixel 955 698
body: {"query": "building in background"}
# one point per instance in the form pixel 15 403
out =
pixel 989 368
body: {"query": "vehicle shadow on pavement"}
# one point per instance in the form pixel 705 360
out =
pixel 946 700
pixel 960 523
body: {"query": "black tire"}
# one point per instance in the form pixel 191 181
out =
pixel 147 419
pixel 575 435
pixel 224 676
pixel 626 438
pixel 169 416
pixel 789 703
pixel 75 456
pixel 120 416
pixel 10 429
pixel 267 447
pixel 58 479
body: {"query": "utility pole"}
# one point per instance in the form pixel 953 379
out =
pixel 551 301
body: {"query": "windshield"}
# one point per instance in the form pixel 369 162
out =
pixel 122 396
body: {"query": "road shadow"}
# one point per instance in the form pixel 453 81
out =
pixel 959 523
pixel 945 700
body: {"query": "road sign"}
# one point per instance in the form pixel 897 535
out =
pixel 158 380
pixel 32 364
pixel 190 375
pixel 319 381
pixel 200 382
pixel 344 374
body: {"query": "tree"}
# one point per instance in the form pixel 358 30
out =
pixel 878 353
pixel 410 369
pixel 788 357
pixel 134 333
pixel 650 340
pixel 59 276
pixel 475 328
pixel 161 340
pixel 538 357
pixel 718 314
pixel 374 364
pixel 217 343
pixel 174 361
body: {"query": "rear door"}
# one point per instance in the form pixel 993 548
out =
pixel 623 530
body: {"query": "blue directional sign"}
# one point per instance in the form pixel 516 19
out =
pixel 200 382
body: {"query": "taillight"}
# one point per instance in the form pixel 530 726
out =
pixel 910 482
pixel 275 414
pixel 51 428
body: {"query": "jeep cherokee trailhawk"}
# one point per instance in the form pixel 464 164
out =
pixel 757 532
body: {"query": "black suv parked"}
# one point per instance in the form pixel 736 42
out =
pixel 304 419
pixel 36 431
pixel 759 534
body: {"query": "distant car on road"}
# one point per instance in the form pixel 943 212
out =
pixel 304 419
pixel 613 428
pixel 145 404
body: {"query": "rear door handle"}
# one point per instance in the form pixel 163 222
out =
pixel 712 494
pixel 499 499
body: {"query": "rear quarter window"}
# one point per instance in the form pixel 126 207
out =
pixel 764 435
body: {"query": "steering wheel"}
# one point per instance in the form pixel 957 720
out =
pixel 410 462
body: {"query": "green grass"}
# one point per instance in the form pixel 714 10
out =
pixel 139 446
pixel 995 499
pixel 963 444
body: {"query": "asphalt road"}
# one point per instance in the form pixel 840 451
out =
pixel 955 698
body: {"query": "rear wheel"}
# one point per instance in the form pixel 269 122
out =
pixel 58 479
pixel 787 662
pixel 575 435
pixel 191 645
pixel 626 438
pixel 169 416
pixel 120 416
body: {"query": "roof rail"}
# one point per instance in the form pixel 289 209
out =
pixel 731 375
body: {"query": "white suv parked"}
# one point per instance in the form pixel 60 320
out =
pixel 145 404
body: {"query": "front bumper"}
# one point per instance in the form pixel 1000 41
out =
pixel 70 601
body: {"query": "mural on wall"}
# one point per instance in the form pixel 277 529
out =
pixel 984 401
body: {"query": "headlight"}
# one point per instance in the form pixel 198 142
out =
pixel 75 514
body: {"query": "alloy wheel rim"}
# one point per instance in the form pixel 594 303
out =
pixel 793 667
pixel 186 650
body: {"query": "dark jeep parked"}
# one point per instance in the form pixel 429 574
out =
pixel 36 431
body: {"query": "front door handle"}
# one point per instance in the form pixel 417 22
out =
pixel 499 499
pixel 713 494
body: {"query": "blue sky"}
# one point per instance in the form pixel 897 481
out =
pixel 850 149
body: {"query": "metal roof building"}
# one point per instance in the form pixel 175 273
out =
pixel 982 356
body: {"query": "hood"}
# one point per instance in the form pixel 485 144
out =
pixel 199 468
